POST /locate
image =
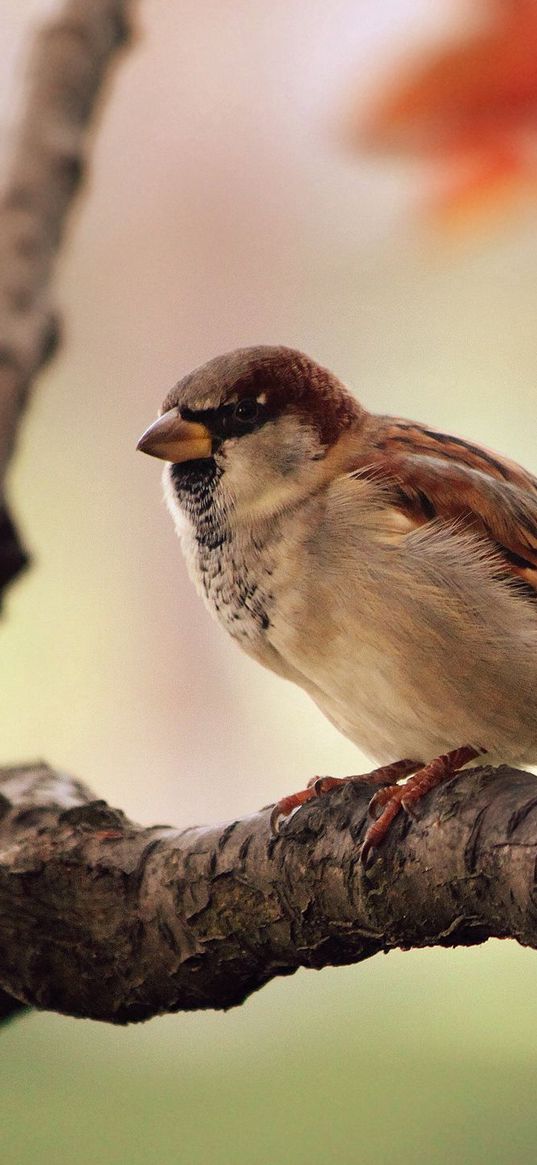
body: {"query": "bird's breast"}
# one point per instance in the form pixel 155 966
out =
pixel 235 580
pixel 407 650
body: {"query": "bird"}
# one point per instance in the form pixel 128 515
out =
pixel 385 567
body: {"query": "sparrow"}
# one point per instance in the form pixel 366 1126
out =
pixel 387 568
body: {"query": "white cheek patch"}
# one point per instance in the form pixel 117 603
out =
pixel 181 520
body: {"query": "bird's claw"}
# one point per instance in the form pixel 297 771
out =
pixel 392 798
pixel 286 808
pixel 386 803
pixel 368 854
pixel 276 820
pixel 380 799
pixel 322 785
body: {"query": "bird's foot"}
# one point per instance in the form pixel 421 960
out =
pixel 283 809
pixel 318 786
pixel 395 797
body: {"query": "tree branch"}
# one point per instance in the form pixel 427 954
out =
pixel 103 918
pixel 71 59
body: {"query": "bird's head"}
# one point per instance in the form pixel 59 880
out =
pixel 249 432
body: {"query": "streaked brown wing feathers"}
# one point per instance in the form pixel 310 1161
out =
pixel 438 477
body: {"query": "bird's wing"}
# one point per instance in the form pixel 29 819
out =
pixel 431 476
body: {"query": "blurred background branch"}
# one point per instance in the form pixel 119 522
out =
pixel 71 59
pixel 105 919
pixel 70 62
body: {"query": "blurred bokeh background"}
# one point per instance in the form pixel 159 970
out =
pixel 246 187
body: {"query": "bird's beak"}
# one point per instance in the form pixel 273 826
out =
pixel 173 439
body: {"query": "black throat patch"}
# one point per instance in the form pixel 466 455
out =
pixel 194 484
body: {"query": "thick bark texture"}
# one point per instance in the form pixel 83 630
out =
pixel 103 918
pixel 70 61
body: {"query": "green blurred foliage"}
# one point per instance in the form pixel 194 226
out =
pixel 422 1058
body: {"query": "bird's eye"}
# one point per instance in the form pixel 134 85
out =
pixel 246 410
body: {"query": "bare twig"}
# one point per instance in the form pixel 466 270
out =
pixel 103 918
pixel 71 59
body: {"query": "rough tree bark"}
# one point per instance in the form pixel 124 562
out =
pixel 103 918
